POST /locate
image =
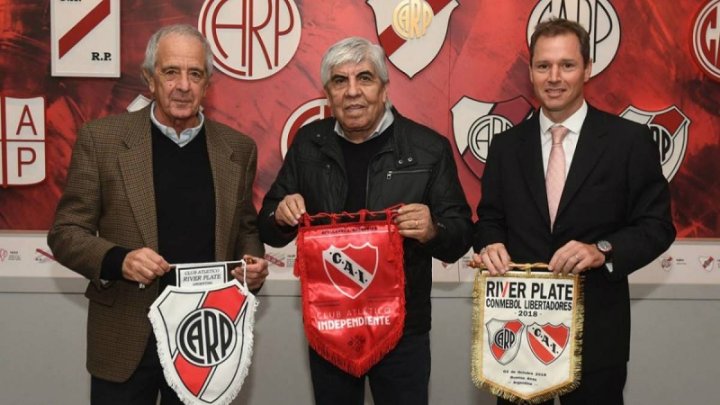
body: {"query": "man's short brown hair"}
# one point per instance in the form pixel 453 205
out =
pixel 559 26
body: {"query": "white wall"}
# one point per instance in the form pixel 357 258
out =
pixel 674 355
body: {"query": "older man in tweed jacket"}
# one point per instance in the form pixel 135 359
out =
pixel 145 189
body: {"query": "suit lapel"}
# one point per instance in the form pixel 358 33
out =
pixel 137 172
pixel 590 147
pixel 226 178
pixel 530 161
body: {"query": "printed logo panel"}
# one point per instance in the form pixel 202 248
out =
pixel 351 269
pixel 22 141
pixel 251 40
pixel 475 123
pixel 706 39
pixel 312 110
pixel 412 31
pixel 548 342
pixel 598 17
pixel 669 129
pixel 504 339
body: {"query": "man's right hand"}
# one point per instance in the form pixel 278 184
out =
pixel 495 257
pixel 144 265
pixel 290 210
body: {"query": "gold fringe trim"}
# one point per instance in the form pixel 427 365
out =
pixel 478 323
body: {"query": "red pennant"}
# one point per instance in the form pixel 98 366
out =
pixel 353 288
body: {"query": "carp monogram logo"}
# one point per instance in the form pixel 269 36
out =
pixel 669 129
pixel 504 339
pixel 250 39
pixel 475 123
pixel 204 337
pixel 412 31
pixel 706 40
pixel 598 17
pixel 312 110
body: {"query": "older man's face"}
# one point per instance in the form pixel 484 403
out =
pixel 357 98
pixel 179 81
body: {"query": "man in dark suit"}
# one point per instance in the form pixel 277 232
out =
pixel 582 190
pixel 145 189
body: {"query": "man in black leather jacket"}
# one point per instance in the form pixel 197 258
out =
pixel 369 156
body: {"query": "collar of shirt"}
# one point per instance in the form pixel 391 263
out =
pixel 573 124
pixel 185 136
pixel 385 122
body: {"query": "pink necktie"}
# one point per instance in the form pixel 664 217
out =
pixel 555 178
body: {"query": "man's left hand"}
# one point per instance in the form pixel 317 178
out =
pixel 576 257
pixel 414 221
pixel 256 270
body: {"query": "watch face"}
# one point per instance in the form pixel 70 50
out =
pixel 604 246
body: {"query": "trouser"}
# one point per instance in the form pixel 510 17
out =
pixel 400 378
pixel 141 388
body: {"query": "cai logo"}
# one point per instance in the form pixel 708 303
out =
pixel 22 141
pixel 251 40
pixel 598 17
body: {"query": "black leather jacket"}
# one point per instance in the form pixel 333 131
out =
pixel 415 166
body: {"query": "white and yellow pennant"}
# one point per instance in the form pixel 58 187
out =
pixel 527 329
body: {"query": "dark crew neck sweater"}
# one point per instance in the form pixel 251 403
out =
pixel 184 201
pixel 184 204
pixel 357 158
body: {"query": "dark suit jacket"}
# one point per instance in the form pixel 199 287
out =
pixel 109 201
pixel 615 190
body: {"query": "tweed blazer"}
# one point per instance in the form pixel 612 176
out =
pixel 109 200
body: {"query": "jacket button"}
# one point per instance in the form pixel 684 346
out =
pixel 410 159
pixel 400 162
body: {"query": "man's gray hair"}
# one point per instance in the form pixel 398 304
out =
pixel 354 50
pixel 148 65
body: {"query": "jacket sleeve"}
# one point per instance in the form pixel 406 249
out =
pixel 285 183
pixel 491 226
pixel 450 210
pixel 649 230
pixel 73 235
pixel 248 239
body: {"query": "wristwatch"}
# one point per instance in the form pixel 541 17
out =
pixel 606 249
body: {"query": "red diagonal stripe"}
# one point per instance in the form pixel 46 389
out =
pixel 671 120
pixel 438 5
pixel 390 40
pixel 192 376
pixel 84 26
pixel 229 300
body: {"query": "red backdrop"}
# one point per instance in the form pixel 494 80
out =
pixel 484 57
